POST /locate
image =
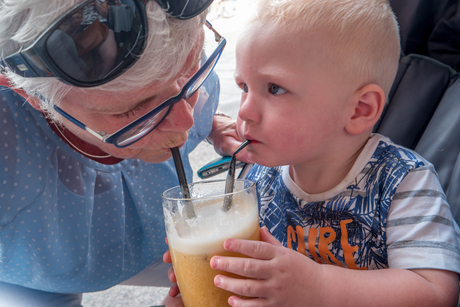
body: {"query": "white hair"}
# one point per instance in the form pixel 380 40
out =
pixel 169 42
pixel 364 33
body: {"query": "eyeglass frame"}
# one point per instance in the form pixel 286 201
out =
pixel 113 137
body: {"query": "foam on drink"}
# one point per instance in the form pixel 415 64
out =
pixel 207 232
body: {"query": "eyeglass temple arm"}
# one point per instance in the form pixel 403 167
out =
pixel 217 36
pixel 99 135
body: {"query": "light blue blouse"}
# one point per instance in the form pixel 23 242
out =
pixel 69 224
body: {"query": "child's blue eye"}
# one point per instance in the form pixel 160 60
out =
pixel 245 88
pixel 276 90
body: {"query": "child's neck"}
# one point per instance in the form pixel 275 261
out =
pixel 321 177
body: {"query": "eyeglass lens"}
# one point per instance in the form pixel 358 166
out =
pixel 139 131
pixel 200 80
pixel 97 40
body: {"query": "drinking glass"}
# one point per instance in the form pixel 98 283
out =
pixel 193 241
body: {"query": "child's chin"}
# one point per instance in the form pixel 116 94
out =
pixel 263 162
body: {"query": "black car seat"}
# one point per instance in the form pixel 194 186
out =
pixel 423 112
pixel 431 28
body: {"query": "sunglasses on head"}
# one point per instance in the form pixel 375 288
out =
pixel 95 41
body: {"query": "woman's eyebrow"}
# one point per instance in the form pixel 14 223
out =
pixel 123 108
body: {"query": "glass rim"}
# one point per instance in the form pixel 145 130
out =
pixel 219 195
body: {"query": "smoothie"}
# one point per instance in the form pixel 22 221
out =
pixel 193 242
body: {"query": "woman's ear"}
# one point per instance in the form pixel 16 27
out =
pixel 33 101
pixel 368 103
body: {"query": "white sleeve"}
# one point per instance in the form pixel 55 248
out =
pixel 420 231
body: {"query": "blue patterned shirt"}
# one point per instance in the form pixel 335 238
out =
pixel 69 224
pixel 352 225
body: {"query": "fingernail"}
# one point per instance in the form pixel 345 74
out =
pixel 214 262
pixel 228 244
pixel 217 280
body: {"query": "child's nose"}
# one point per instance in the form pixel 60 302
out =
pixel 250 109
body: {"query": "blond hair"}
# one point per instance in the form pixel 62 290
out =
pixel 169 42
pixel 364 33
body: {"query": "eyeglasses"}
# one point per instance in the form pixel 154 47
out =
pixel 95 41
pixel 139 128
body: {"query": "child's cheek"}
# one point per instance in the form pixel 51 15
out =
pixel 240 127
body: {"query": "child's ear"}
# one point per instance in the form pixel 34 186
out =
pixel 368 103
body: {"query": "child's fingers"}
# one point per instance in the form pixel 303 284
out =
pixel 266 236
pixel 172 275
pixel 167 257
pixel 246 267
pixel 174 290
pixel 245 287
pixel 254 249
pixel 237 301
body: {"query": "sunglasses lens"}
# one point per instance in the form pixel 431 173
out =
pixel 98 41
pixel 185 9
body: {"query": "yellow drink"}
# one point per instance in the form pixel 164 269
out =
pixel 193 242
pixel 196 278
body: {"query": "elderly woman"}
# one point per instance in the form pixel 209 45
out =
pixel 85 150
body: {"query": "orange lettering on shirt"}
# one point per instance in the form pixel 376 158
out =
pixel 300 239
pixel 325 255
pixel 291 236
pixel 324 241
pixel 347 249
pixel 296 236
pixel 312 234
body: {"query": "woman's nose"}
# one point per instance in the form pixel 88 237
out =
pixel 180 117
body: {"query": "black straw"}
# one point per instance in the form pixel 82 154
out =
pixel 230 181
pixel 183 182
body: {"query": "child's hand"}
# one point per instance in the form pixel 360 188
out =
pixel 279 276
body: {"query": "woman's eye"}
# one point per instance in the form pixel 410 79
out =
pixel 245 88
pixel 128 114
pixel 276 90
